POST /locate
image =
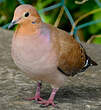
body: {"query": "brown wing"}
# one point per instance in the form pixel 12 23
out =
pixel 71 56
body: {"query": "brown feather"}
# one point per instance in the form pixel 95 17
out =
pixel 71 55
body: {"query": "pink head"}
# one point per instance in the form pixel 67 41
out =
pixel 25 14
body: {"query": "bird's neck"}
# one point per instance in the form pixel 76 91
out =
pixel 28 28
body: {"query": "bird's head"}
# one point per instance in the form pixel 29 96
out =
pixel 25 14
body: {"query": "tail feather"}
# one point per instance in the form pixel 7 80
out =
pixel 93 63
pixel 89 62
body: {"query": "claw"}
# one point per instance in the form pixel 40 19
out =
pixel 37 98
pixel 37 94
pixel 47 103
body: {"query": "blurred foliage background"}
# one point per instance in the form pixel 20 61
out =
pixel 91 33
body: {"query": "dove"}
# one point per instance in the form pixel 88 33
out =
pixel 45 53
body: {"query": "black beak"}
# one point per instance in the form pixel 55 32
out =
pixel 12 24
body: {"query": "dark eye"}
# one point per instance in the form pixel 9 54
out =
pixel 26 14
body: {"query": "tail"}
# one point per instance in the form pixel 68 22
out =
pixel 91 62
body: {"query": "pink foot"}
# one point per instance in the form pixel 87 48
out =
pixel 47 102
pixel 37 94
pixel 37 98
pixel 50 101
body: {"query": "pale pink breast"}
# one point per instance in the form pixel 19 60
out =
pixel 34 56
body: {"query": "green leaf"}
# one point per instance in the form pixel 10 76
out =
pixel 97 40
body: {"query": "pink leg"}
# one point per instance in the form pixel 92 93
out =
pixel 50 101
pixel 37 94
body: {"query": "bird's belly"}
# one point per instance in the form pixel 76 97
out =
pixel 36 63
